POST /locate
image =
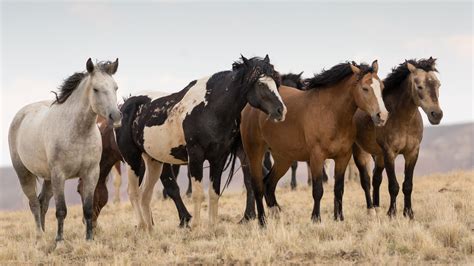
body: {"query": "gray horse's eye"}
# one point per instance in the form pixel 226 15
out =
pixel 96 90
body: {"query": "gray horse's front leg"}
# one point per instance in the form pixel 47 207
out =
pixel 90 180
pixel 57 181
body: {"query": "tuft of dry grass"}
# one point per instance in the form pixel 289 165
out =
pixel 442 232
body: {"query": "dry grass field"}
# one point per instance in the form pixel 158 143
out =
pixel 442 232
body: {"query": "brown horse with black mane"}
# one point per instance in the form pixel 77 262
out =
pixel 318 126
pixel 411 85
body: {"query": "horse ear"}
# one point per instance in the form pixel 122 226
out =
pixel 301 73
pixel 89 65
pixel 113 67
pixel 411 67
pixel 355 69
pixel 266 59
pixel 245 60
pixel 375 66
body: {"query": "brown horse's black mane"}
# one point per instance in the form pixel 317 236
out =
pixel 334 75
pixel 401 72
pixel 72 82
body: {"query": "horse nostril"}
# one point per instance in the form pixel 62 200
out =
pixel 379 115
pixel 280 110
pixel 110 117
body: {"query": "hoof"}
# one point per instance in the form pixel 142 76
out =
pixel 274 212
pixel 408 213
pixel 371 213
pixel 316 219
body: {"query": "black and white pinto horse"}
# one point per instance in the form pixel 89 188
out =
pixel 200 122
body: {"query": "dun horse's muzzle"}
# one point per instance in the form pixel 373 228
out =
pixel 435 117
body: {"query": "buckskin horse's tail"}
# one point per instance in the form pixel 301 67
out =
pixel 124 135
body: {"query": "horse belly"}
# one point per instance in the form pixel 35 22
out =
pixel 160 141
pixel 30 144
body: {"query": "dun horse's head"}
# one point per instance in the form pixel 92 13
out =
pixel 262 82
pixel 425 88
pixel 103 90
pixel 368 92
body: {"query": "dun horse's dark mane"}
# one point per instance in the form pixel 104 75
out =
pixel 72 82
pixel 401 72
pixel 334 75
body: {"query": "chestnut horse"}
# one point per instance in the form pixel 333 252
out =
pixel 411 85
pixel 318 126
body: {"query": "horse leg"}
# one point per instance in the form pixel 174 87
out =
pixel 249 212
pixel 57 182
pixel 133 195
pixel 279 168
pixel 44 198
pixel 152 174
pixel 317 164
pixel 215 173
pixel 28 185
pixel 189 191
pixel 393 187
pixel 255 155
pixel 339 173
pixel 293 183
pixel 325 171
pixel 167 173
pixel 310 178
pixel 89 179
pixel 172 189
pixel 195 162
pixel 377 180
pixel 117 173
pixel 410 162
pixel 362 162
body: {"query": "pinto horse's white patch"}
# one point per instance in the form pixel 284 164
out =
pixel 273 88
pixel 378 94
pixel 159 140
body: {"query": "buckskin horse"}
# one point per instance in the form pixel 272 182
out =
pixel 318 126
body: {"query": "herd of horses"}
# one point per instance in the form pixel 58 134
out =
pixel 248 112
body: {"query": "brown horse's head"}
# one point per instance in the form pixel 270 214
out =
pixel 368 92
pixel 425 90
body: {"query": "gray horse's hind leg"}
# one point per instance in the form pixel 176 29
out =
pixel 44 198
pixel 28 185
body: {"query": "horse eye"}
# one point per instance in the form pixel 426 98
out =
pixel 96 90
pixel 365 89
pixel 419 87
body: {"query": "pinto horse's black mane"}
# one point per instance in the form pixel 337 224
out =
pixel 71 83
pixel 248 71
pixel 334 75
pixel 401 72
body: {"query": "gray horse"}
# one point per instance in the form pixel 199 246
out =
pixel 59 140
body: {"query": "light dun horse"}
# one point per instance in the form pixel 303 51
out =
pixel 318 126
pixel 411 85
pixel 60 140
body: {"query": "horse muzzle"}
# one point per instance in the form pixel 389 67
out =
pixel 435 117
pixel 279 114
pixel 380 119
pixel 116 118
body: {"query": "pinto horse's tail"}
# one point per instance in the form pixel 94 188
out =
pixel 232 158
pixel 124 135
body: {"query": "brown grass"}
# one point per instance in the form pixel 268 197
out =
pixel 441 233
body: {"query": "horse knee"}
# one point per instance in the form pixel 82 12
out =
pixel 61 213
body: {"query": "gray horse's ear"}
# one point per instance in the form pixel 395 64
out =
pixel 266 59
pixel 301 73
pixel 89 65
pixel 113 67
pixel 375 66
pixel 245 60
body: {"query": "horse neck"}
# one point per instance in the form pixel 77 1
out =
pixel 233 103
pixel 338 99
pixel 78 109
pixel 400 102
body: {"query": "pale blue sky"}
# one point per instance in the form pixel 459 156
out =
pixel 163 46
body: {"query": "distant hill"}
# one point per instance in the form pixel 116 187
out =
pixel 444 149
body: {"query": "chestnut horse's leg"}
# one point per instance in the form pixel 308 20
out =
pixel 310 178
pixel 317 164
pixel 362 161
pixel 249 212
pixel 117 174
pixel 393 187
pixel 293 183
pixel 377 179
pixel 255 155
pixel 339 173
pixel 410 162
pixel 279 168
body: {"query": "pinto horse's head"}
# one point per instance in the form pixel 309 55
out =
pixel 261 83
pixel 368 92
pixel 425 88
pixel 103 90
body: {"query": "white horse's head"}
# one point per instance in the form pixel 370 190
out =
pixel 103 90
